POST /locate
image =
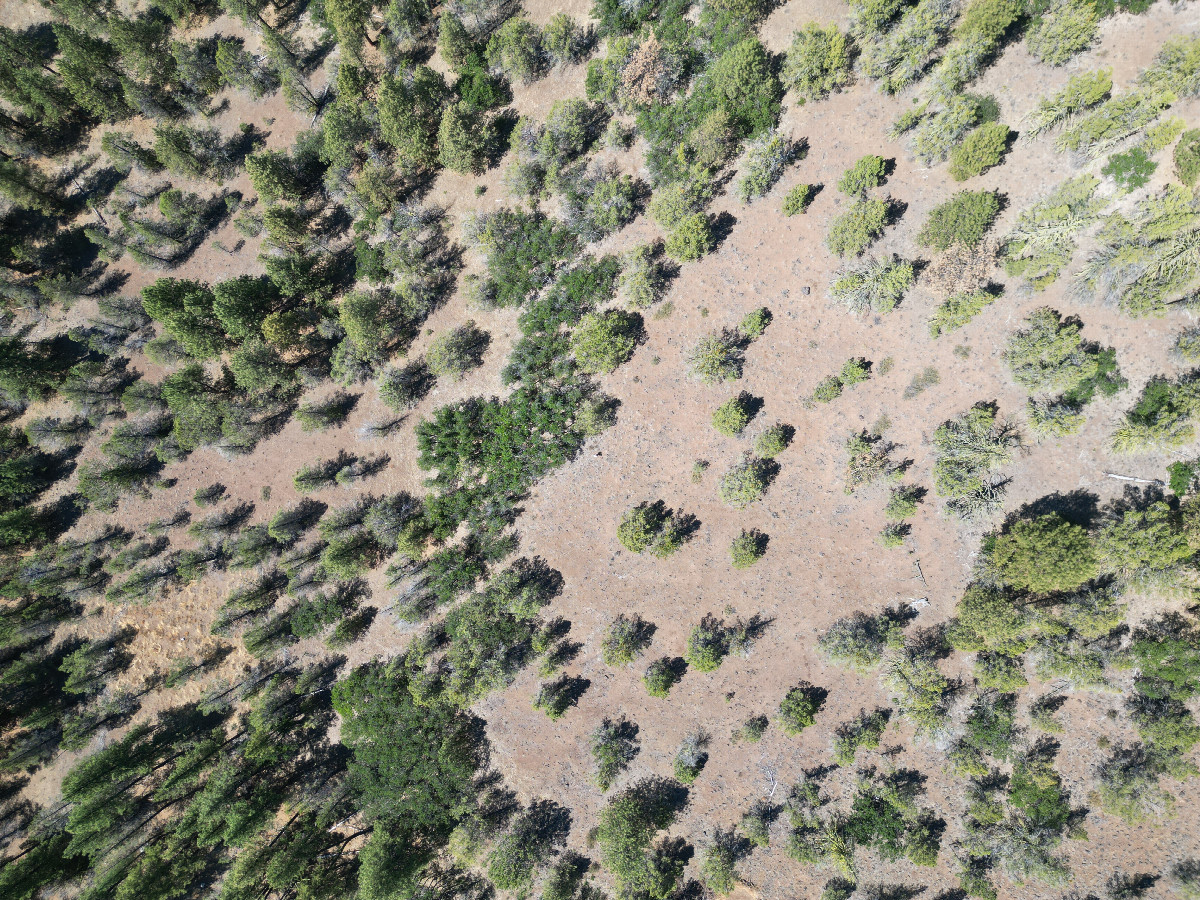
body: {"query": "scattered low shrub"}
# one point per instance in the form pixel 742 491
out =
pixel 691 756
pixel 799 708
pixel 766 158
pixel 818 61
pixel 732 416
pixel 773 441
pixel 603 341
pixel 981 149
pixel 867 173
pixel 963 219
pixel 798 199
pixel 860 226
pixel 957 310
pixel 755 323
pixel 716 357
pixel 652 527
pixel 745 483
pixel 874 285
pixel 747 549
pixel 691 239
pixel 626 639
pixel 662 675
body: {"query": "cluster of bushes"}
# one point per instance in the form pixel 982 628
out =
pixel 854 371
pixel 855 230
pixel 1129 267
pixel 719 356
pixel 652 527
pixel 971 449
pixel 1050 357
pixel 1163 416
pixel 874 285
pixel 712 640
pixel 1043 240
pixel 883 814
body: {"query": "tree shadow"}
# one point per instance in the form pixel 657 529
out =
pixel 1079 507
pixel 721 226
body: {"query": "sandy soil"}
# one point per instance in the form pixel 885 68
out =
pixel 823 560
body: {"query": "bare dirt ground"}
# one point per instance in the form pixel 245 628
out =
pixel 823 560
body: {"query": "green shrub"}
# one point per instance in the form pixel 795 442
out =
pixel 1049 355
pixel 970 449
pixel 613 746
pixel 1187 157
pixel 625 640
pixel 963 219
pixel 563 41
pixel 742 81
pixel 867 173
pixel 751 730
pixel 902 503
pixel 856 229
pixel 1162 417
pixel 858 641
pixel 716 357
pixel 554 698
pixel 325 413
pixel 827 389
pixel 707 645
pixel 718 863
pixel 854 371
pixel 1045 555
pixel 516 49
pixel 690 757
pixel 773 441
pixel 1053 418
pixel 603 341
pixel 1130 170
pixel 454 353
pixel 873 285
pixel 642 279
pixel 867 460
pixel 661 675
pixel 1187 345
pixel 981 149
pixel 799 198
pixel 864 732
pixel 745 483
pixel 747 549
pixel 691 239
pixel 818 62
pixel 463 139
pixel 799 708
pixel 755 323
pixel 756 823
pixel 1064 30
pixel 627 826
pixel 732 416
pixel 959 309
pixel 653 527
pixel 766 158
pixel 893 534
pixel 1082 92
